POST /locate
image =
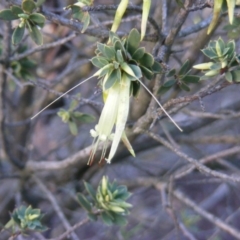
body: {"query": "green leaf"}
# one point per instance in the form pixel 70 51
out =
pixel 138 54
pixel 8 15
pixel 216 66
pixel 73 128
pixel 38 19
pixel 90 190
pixel 109 52
pixel 16 10
pixel 99 61
pixel 184 87
pixel 133 40
pixel 113 77
pixel 84 202
pixel 147 60
pixel 18 35
pixel 36 35
pixel 101 48
pixel 82 117
pixel 171 73
pixel 156 67
pixel 135 87
pixel 209 53
pixel 92 217
pixel 28 6
pixel 86 21
pixel 221 44
pixel 184 68
pixel 136 69
pixel 146 72
pixel 113 37
pixel 228 76
pixel 120 220
pixel 169 83
pixel 119 56
pixel 106 219
pixel 236 76
pixel 191 79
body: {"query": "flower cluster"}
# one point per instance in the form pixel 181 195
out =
pixel 122 64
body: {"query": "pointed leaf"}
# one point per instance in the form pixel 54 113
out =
pixel 16 10
pixel 18 35
pixel 38 19
pixel 191 79
pixel 156 67
pixel 99 61
pixel 136 69
pixel 113 77
pixel 36 35
pixel 138 54
pixel 119 56
pixel 110 52
pixel 90 190
pixel 236 76
pixel 209 53
pixel 171 73
pixel 133 40
pixel 228 76
pixel 169 83
pixel 86 21
pixel 184 87
pixel 146 72
pixel 106 219
pixel 8 15
pixel 84 202
pixel 184 68
pixel 73 128
pixel 92 217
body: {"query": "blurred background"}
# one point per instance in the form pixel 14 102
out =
pixel 171 199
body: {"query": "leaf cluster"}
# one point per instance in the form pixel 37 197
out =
pixel 109 200
pixel 28 19
pixel 124 56
pixel 223 61
pixel 26 218
pixel 73 117
pixel 181 78
pixel 79 14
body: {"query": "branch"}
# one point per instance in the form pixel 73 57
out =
pixel 56 207
pixel 202 168
pixel 210 217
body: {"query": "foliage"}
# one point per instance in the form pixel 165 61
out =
pixel 78 13
pixel 24 219
pixel 224 61
pixel 73 117
pixel 28 19
pixel 182 79
pixel 220 5
pixel 109 200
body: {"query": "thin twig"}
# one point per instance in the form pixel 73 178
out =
pixel 210 217
pixel 56 207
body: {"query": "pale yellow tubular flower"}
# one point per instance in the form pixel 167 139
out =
pixel 122 114
pixel 145 13
pixel 119 14
pixel 231 7
pixel 104 128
